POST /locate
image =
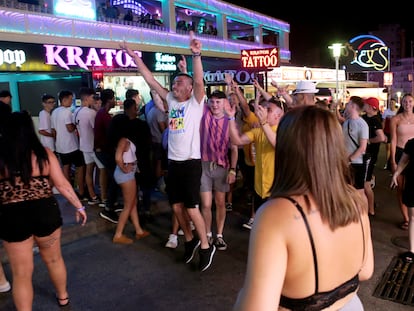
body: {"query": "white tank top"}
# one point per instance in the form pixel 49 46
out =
pixel 129 156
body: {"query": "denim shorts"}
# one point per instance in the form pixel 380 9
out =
pixel 120 177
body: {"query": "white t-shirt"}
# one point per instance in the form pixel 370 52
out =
pixel 45 124
pixel 84 119
pixel 66 141
pixel 184 128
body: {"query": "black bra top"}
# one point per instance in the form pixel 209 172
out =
pixel 319 300
pixel 38 188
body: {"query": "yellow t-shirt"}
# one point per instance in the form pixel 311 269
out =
pixel 265 161
pixel 249 149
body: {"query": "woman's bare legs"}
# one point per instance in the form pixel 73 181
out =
pixel 51 253
pixel 129 193
pixel 20 256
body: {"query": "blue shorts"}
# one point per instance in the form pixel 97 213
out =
pixel 121 177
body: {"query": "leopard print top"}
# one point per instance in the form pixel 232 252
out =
pixel 39 188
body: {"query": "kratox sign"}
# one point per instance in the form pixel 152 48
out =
pixel 260 59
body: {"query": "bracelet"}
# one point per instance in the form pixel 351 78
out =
pixel 264 123
pixel 197 54
pixel 232 172
pixel 231 118
pixel 80 209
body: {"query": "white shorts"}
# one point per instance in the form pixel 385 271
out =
pixel 90 157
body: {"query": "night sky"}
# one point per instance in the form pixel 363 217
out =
pixel 314 27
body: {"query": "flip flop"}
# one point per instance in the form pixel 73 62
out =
pixel 62 302
pixel 404 225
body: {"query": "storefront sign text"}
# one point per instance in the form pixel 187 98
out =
pixel 264 58
pixel 67 56
pixel 165 62
pixel 366 53
pixel 17 57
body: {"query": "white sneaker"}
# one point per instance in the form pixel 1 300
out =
pixel 172 241
pixel 249 224
pixel 181 232
pixel 5 287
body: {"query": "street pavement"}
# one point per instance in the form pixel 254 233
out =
pixel 146 276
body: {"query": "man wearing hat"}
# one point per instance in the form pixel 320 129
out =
pixel 376 137
pixel 304 93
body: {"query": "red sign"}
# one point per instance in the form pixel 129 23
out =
pixel 388 77
pixel 263 58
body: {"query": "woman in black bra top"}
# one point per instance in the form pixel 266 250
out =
pixel 311 242
pixel 29 213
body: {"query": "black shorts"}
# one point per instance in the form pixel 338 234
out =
pixel 370 169
pixel 359 173
pixel 407 193
pixel 75 157
pixel 19 221
pixel 183 182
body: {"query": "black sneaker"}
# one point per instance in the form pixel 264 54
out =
pixel 110 216
pixel 229 207
pixel 220 244
pixel 190 249
pixel 206 257
pixel 94 201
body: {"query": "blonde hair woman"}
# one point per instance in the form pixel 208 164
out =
pixel 311 242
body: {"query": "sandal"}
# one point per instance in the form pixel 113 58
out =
pixel 62 302
pixel 404 225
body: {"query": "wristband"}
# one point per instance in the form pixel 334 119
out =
pixel 232 172
pixel 264 123
pixel 197 54
pixel 80 209
pixel 231 118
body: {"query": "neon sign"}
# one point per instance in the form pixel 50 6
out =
pixel 263 58
pixel 67 56
pixel 367 53
pixel 83 9
pixel 17 57
pixel 165 62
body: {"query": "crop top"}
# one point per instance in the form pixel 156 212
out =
pixel 129 156
pixel 38 188
pixel 319 300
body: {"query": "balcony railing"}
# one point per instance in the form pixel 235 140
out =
pixel 23 18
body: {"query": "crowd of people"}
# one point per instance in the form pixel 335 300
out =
pixel 303 210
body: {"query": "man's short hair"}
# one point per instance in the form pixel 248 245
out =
pixel 106 95
pixel 128 103
pixel 131 93
pixel 183 74
pixel 217 94
pixel 5 93
pixel 86 91
pixel 64 93
pixel 46 97
pixel 357 101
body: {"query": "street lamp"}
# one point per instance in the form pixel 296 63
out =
pixel 336 51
